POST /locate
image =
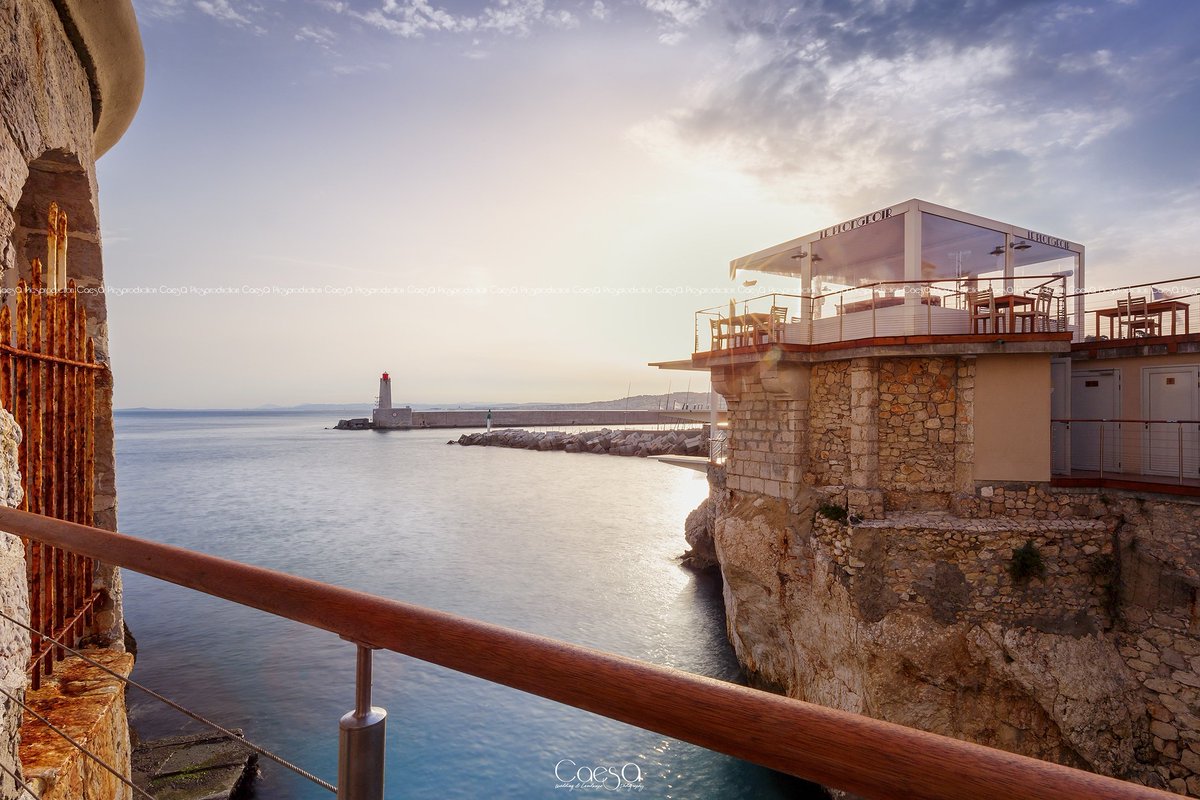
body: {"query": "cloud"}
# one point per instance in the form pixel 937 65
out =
pixel 223 11
pixel 599 10
pixel 678 13
pixel 320 36
pixel 159 9
pixel 862 103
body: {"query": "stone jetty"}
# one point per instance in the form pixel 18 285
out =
pixel 691 442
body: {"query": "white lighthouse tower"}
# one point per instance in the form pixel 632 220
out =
pixel 384 416
pixel 385 393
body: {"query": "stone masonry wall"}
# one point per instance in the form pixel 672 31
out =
pixel 14 599
pixel 829 425
pixel 912 613
pixel 766 443
pixel 958 570
pixel 47 154
pixel 917 420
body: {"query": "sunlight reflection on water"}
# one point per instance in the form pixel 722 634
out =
pixel 574 546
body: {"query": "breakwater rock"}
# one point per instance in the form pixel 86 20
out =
pixel 693 442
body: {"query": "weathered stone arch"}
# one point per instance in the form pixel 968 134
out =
pixel 58 176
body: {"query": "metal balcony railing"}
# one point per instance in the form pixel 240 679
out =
pixel 1145 450
pixel 1138 310
pixel 861 755
pixel 1010 306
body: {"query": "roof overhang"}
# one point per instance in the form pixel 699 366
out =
pixel 785 259
pixel 106 38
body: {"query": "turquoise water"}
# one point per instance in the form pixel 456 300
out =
pixel 578 547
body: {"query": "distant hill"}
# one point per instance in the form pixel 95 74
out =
pixel 640 402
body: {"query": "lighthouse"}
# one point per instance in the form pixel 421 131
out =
pixel 384 416
pixel 385 393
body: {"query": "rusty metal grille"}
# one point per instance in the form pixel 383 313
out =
pixel 48 375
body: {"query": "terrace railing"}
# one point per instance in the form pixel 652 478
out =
pixel 1141 450
pixel 48 373
pixel 861 755
pixel 1138 310
pixel 889 309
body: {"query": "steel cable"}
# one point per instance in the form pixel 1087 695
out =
pixel 193 715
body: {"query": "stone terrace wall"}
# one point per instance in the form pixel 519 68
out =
pixel 1156 619
pixel 917 420
pixel 765 444
pixel 829 425
pixel 958 569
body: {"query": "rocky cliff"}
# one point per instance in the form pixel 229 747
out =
pixel 921 620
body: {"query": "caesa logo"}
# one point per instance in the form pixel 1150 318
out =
pixel 571 775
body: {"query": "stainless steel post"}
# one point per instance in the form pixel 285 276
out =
pixel 1179 425
pixel 361 740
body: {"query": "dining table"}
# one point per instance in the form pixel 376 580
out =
pixel 1006 308
pixel 1155 308
pixel 749 328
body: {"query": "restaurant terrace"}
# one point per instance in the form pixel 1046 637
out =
pixel 1106 386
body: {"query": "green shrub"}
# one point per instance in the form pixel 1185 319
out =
pixel 1026 563
pixel 834 512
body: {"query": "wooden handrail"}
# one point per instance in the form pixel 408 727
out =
pixel 836 748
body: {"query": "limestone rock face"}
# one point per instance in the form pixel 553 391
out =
pixel 822 624
pixel 698 531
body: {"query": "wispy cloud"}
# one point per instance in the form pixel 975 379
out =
pixel 159 9
pixel 223 11
pixel 868 102
pixel 318 35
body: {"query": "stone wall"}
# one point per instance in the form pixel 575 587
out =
pixel 14 655
pixel 829 425
pixel 768 432
pixel 918 621
pixel 918 410
pixel 14 599
pixel 957 569
pixel 47 155
pixel 913 610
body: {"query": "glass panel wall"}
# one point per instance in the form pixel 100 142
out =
pixel 845 263
pixel 961 257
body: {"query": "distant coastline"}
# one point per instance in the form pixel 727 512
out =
pixel 641 402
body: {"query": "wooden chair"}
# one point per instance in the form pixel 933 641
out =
pixel 981 306
pixel 1038 317
pixel 720 336
pixel 778 320
pixel 1132 314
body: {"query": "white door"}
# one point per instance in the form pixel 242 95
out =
pixel 1095 396
pixel 1060 409
pixel 1169 444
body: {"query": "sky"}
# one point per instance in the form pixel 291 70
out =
pixel 527 200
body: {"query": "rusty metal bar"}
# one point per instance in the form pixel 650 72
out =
pixel 17 351
pixel 61 282
pixel 836 748
pixel 47 380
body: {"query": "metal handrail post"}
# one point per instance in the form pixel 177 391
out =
pixel 1179 426
pixel 361 735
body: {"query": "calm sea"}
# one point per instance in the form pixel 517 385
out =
pixel 573 546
